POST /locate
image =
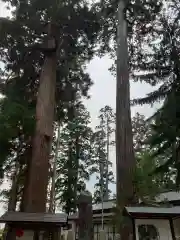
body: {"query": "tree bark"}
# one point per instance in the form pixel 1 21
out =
pixel 39 167
pixel 26 173
pixel 52 193
pixel 14 189
pixel 107 158
pixel 9 233
pixel 125 159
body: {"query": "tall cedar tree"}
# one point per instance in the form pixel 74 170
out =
pixel 102 142
pixel 161 65
pixel 74 157
pixel 147 180
pixel 22 37
pixel 123 20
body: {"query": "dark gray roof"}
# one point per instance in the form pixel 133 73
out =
pixel 76 215
pixel 153 211
pixel 73 216
pixel 106 205
pixel 168 196
pixel 34 217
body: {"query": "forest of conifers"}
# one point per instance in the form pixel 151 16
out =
pixel 143 39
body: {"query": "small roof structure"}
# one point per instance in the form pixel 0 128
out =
pixel 75 216
pixel 106 205
pixel 34 218
pixel 168 196
pixel 152 212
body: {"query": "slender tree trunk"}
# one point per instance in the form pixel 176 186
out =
pixel 8 231
pixel 107 159
pixel 125 159
pixel 76 172
pixel 28 155
pixel 39 167
pixel 52 193
pixel 70 178
pixel 14 189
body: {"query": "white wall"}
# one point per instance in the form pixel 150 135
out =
pixel 64 233
pixel 176 224
pixel 162 226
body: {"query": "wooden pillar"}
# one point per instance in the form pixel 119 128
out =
pixel 85 226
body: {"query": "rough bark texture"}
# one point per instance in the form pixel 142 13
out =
pixel 125 160
pixel 36 194
pixel 85 230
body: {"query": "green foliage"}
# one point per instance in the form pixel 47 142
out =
pixel 147 180
pixel 22 53
pixel 141 131
pixel 74 158
pixel 148 183
pixel 1 232
pixel 16 127
pixel 160 64
pixel 101 144
pixel 140 16
pixel 144 182
pixel 160 67
pixel 165 138
pixel 83 152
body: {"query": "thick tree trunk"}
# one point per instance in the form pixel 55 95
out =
pixel 39 168
pixel 125 159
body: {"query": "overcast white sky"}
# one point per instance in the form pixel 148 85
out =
pixel 103 91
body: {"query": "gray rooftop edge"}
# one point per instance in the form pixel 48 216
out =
pixel 154 210
pixel 168 196
pixel 34 217
pixel 61 217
